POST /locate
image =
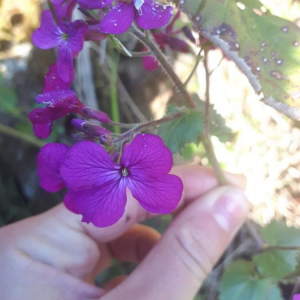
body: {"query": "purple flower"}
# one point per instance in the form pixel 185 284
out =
pixel 49 161
pixel 94 4
pixel 64 9
pixel 97 185
pixel 60 101
pixel 68 37
pixel 296 297
pixel 148 14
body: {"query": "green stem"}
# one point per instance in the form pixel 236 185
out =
pixel 207 95
pixel 141 54
pixel 21 136
pixel 198 59
pixel 151 45
pixel 213 160
pixel 113 91
pixel 145 126
pixel 121 125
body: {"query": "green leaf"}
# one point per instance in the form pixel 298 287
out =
pixel 277 233
pixel 241 282
pixel 179 132
pixel 276 264
pixel 265 47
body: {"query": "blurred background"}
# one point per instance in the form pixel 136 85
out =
pixel 265 147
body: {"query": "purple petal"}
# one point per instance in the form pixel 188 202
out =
pixel 150 63
pixel 58 1
pixel 153 15
pixel 65 65
pixel 63 10
pixel 170 27
pixel 119 19
pixel 49 34
pixel 76 32
pixel 53 81
pixel 102 206
pixel 42 131
pixel 88 165
pixel 56 96
pixel 69 202
pixel 157 196
pixel 57 108
pixel 147 157
pixel 94 4
pixel 296 297
pixel 49 161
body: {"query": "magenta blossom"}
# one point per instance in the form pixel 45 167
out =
pixel 49 162
pixel 68 37
pixel 64 9
pixel 296 297
pixel 60 101
pixel 97 185
pixel 148 14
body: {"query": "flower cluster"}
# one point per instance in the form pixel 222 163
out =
pixel 60 100
pixel 97 184
pixel 101 166
pixel 57 29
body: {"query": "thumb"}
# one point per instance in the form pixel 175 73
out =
pixel 188 250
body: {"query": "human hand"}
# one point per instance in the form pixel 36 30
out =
pixel 54 256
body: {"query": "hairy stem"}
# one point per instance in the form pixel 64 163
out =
pixel 151 45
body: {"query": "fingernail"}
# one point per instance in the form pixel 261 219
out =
pixel 231 209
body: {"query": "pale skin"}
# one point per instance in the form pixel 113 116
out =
pixel 54 256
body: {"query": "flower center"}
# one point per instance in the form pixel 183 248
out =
pixel 65 36
pixel 125 172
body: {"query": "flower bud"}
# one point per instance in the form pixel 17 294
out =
pixel 96 115
pixel 188 33
pixel 78 123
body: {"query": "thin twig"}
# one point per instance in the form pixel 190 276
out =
pixel 164 63
pixel 21 136
pixel 207 95
pixel 145 126
pixel 198 59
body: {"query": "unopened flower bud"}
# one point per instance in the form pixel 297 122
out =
pixel 106 139
pixel 78 123
pixel 96 115
pixel 188 33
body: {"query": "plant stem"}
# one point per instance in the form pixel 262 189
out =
pixel 213 160
pixel 113 91
pixel 145 126
pixel 121 125
pixel 164 63
pixel 194 68
pixel 207 95
pixel 21 136
pixel 141 54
